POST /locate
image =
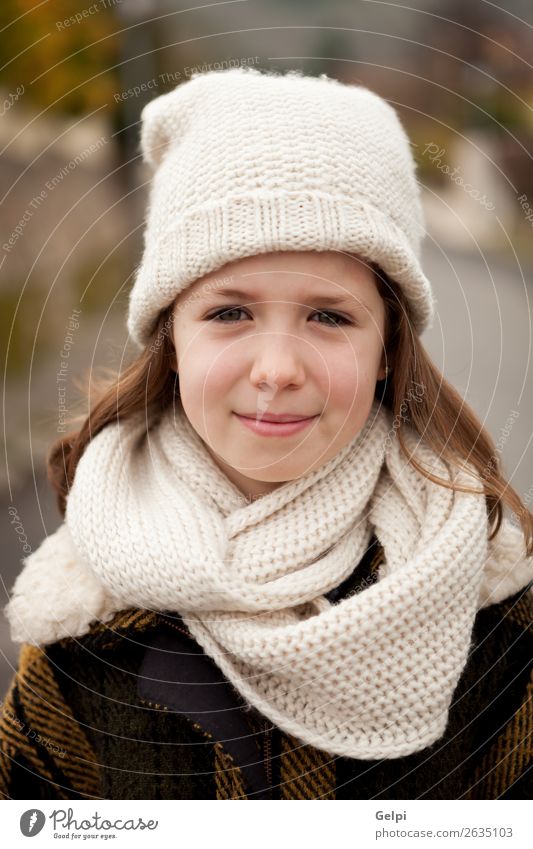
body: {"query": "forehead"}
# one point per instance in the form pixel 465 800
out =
pixel 299 276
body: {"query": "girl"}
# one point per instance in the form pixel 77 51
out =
pixel 284 569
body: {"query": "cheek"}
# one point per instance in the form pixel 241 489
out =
pixel 209 368
pixel 347 375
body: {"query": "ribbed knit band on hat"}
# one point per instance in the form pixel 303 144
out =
pixel 247 162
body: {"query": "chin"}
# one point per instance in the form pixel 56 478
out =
pixel 272 476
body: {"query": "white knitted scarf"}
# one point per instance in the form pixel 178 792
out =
pixel 153 522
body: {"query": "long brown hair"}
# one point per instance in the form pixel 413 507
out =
pixel 418 395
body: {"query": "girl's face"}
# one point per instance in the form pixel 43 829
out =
pixel 296 333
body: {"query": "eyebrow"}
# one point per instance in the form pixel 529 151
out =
pixel 319 300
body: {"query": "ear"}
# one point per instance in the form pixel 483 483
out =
pixel 172 355
pixel 381 373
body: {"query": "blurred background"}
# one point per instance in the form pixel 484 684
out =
pixel 74 77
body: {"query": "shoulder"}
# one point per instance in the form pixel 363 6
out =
pixel 124 626
pixel 502 646
pixel 509 619
pixel 41 742
pixel 499 671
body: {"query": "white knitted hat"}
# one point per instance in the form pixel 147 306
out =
pixel 248 162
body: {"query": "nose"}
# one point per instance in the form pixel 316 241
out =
pixel 277 363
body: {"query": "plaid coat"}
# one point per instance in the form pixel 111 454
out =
pixel 118 714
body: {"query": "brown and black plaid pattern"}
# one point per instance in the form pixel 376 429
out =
pixel 44 747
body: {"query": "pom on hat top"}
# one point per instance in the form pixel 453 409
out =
pixel 247 162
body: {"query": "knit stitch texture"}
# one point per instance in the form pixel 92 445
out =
pixel 246 162
pixel 153 521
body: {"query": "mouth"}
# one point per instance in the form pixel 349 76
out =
pixel 284 425
pixel 272 417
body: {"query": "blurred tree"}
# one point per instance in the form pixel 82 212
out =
pixel 75 57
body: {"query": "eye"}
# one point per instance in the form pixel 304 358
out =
pixel 220 313
pixel 336 318
pixel 333 319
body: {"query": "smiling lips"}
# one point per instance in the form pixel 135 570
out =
pixel 282 425
pixel 272 417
